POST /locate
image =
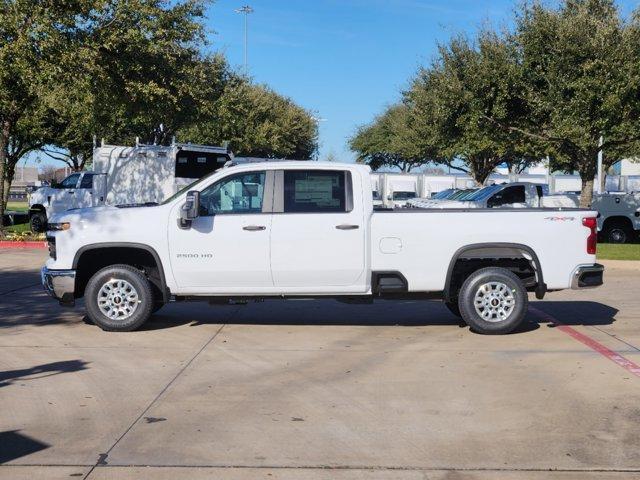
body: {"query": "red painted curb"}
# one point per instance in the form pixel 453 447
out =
pixel 593 344
pixel 24 245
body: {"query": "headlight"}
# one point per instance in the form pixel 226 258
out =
pixel 56 227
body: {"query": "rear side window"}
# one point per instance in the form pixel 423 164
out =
pixel 87 181
pixel 317 191
pixel 508 196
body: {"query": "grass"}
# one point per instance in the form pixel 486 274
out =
pixel 23 228
pixel 18 206
pixel 610 251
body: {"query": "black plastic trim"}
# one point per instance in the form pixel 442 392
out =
pixel 94 246
pixel 541 287
pixel 378 289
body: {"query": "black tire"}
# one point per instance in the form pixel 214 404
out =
pixel 136 279
pixel 618 233
pixel 453 308
pixel 38 222
pixel 495 298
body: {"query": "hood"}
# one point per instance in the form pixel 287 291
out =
pixel 109 217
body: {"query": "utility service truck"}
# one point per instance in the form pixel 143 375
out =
pixel 127 175
pixel 301 229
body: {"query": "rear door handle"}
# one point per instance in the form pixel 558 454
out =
pixel 254 228
pixel 347 227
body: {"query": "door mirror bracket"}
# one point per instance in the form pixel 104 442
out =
pixel 190 210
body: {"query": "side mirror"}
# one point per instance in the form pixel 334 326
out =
pixel 190 209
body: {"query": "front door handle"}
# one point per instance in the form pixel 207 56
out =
pixel 347 227
pixel 254 228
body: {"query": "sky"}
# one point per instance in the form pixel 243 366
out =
pixel 346 60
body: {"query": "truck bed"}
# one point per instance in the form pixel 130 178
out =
pixel 421 243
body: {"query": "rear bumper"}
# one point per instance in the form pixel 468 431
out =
pixel 587 276
pixel 60 284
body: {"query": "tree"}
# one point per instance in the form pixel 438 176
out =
pixel 581 69
pixel 109 67
pixel 390 141
pixel 454 99
pixel 140 74
pixel 256 122
pixel 34 38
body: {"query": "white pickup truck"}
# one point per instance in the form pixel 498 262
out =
pixel 308 229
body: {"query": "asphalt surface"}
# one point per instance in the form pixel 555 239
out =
pixel 320 389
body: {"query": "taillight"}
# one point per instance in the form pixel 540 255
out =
pixel 592 240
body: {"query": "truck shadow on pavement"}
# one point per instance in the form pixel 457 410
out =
pixel 413 313
pixel 14 444
pixel 40 371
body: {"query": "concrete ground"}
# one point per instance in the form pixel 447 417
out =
pixel 319 389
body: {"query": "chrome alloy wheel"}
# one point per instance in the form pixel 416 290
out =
pixel 494 302
pixel 118 299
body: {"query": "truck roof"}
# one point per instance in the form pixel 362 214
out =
pixel 297 164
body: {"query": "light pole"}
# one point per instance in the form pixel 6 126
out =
pixel 246 10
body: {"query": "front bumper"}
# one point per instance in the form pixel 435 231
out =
pixel 60 284
pixel 588 276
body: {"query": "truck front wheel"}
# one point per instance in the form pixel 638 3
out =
pixel 38 222
pixel 119 298
pixel 493 301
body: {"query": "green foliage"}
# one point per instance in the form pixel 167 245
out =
pixel 459 99
pixel 124 69
pixel 391 140
pixel 581 69
pixel 551 87
pixel 138 67
pixel 257 122
pixel 34 36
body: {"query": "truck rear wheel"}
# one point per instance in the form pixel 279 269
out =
pixel 119 298
pixel 618 232
pixel 493 301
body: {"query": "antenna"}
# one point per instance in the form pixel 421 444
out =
pixel 245 10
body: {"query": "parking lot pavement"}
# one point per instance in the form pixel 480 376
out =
pixel 319 389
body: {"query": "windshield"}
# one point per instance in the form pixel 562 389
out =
pixel 483 193
pixel 459 195
pixel 468 193
pixel 443 194
pixel 185 189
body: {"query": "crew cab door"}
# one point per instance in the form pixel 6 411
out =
pixel 318 231
pixel 226 249
pixel 64 195
pixel 84 193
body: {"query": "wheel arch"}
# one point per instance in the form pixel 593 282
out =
pixel 37 208
pixel 131 251
pixel 495 251
pixel 617 219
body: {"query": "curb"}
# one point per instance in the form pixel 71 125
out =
pixel 23 245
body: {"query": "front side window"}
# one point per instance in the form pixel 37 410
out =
pixel 315 191
pixel 242 193
pixel 71 181
pixel 87 181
